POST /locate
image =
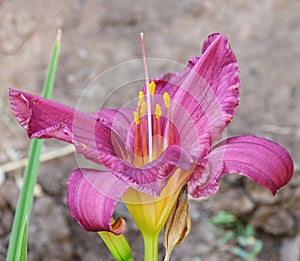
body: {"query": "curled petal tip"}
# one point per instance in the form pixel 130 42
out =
pixel 20 107
pixel 119 226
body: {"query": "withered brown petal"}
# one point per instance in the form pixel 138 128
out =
pixel 178 224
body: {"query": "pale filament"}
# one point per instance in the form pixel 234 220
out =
pixel 147 98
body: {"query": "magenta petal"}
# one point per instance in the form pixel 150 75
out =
pixel 92 198
pixel 44 118
pixel 94 137
pixel 261 160
pixel 119 120
pixel 218 67
pixel 205 177
pixel 152 177
pixel 207 90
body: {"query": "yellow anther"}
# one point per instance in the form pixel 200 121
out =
pixel 141 98
pixel 136 117
pixel 152 87
pixel 158 111
pixel 167 100
pixel 143 109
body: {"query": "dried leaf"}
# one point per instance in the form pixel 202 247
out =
pixel 178 224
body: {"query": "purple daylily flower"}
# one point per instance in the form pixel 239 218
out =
pixel 189 111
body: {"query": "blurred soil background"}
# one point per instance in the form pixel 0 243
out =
pixel 98 35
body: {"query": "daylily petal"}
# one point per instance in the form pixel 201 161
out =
pixel 152 177
pixel 93 138
pixel 205 177
pixel 92 198
pixel 259 159
pixel 189 115
pixel 219 68
pixel 208 89
pixel 119 120
pixel 43 118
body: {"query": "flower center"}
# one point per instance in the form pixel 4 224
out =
pixel 160 134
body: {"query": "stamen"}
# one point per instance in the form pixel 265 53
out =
pixel 136 117
pixel 143 109
pixel 152 87
pixel 141 98
pixel 158 111
pixel 157 148
pixel 148 98
pixel 167 100
pixel 143 139
pixel 137 148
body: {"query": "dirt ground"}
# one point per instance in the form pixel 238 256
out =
pixel 98 35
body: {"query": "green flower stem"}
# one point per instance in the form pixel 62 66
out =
pixel 117 245
pixel 151 247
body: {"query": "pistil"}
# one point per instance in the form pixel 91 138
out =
pixel 149 139
pixel 147 98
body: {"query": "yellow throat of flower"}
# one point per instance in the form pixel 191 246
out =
pixel 150 213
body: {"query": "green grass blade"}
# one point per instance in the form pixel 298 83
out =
pixel 18 242
pixel 49 82
pixel 117 245
pixel 23 255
